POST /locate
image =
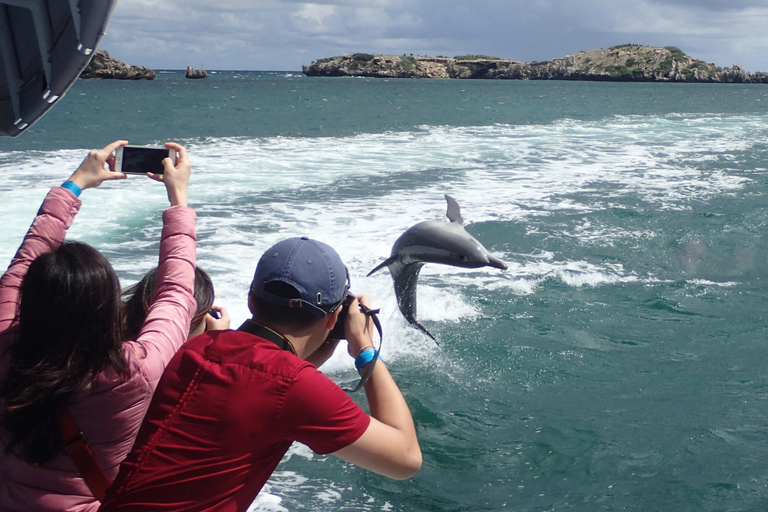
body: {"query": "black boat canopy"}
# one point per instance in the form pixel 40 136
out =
pixel 44 46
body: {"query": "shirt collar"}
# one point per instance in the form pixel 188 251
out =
pixel 268 333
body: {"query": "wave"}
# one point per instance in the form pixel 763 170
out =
pixel 358 193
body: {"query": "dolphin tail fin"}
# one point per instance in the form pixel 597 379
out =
pixel 454 211
pixel 383 264
pixel 406 280
pixel 423 329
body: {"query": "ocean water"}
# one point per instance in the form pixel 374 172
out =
pixel 618 364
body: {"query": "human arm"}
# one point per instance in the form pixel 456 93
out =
pixel 166 326
pixel 322 354
pixel 389 445
pixel 51 223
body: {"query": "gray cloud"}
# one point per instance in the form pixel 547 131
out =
pixel 714 5
pixel 283 35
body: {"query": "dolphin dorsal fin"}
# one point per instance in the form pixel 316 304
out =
pixel 454 211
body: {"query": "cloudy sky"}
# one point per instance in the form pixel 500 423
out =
pixel 282 35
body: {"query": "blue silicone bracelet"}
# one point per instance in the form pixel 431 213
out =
pixel 69 185
pixel 363 358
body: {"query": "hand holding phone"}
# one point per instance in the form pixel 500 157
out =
pixel 149 161
pixel 176 175
pixel 97 167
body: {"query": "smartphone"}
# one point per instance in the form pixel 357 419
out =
pixel 142 159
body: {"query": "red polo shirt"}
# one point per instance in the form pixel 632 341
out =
pixel 225 412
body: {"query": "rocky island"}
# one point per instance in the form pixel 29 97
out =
pixel 104 66
pixel 195 74
pixel 623 63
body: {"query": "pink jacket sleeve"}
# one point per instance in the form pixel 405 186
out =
pixel 46 233
pixel 167 324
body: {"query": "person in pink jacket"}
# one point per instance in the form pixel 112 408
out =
pixel 61 343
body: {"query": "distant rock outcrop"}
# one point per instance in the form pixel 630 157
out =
pixel 196 73
pixel 104 66
pixel 627 63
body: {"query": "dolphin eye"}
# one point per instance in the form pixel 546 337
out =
pixel 463 258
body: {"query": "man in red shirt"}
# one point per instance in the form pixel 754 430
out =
pixel 231 403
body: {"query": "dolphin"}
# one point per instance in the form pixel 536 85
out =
pixel 432 241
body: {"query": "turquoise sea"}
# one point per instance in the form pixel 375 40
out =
pixel 618 364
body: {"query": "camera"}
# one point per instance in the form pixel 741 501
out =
pixel 141 160
pixel 337 333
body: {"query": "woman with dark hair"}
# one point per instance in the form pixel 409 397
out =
pixel 62 351
pixel 138 298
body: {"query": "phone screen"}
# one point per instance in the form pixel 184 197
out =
pixel 138 160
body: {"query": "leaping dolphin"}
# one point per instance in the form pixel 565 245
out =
pixel 432 241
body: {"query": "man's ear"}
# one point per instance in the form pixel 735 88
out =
pixel 330 320
pixel 251 304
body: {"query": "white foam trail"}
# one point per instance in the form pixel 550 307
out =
pixel 250 193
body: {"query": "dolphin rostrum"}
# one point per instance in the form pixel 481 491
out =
pixel 432 241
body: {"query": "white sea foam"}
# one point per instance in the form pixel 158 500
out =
pixel 250 193
pixel 707 283
pixel 267 502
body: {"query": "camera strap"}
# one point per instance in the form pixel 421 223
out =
pixel 373 314
pixel 262 331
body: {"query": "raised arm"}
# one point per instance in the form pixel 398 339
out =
pixel 51 223
pixel 167 324
pixel 389 446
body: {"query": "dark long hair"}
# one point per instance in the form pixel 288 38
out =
pixel 138 298
pixel 69 332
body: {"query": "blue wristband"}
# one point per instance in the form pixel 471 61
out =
pixel 69 185
pixel 363 358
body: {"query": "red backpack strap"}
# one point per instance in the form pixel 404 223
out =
pixel 81 453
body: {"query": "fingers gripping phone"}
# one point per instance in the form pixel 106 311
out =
pixel 142 159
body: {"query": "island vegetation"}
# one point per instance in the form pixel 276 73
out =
pixel 623 63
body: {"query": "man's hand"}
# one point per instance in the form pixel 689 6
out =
pixel 358 326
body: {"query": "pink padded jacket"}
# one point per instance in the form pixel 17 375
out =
pixel 110 413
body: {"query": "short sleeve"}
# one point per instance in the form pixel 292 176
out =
pixel 319 414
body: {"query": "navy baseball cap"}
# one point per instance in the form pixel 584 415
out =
pixel 313 268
